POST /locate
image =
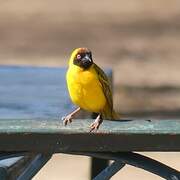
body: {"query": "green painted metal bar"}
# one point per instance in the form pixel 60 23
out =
pixel 51 136
pixel 3 173
pixel 37 163
pixel 11 155
pixel 8 161
pixel 97 166
pixel 109 171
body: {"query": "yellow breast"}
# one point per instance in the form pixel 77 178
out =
pixel 85 89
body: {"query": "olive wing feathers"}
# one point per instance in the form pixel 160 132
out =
pixel 106 85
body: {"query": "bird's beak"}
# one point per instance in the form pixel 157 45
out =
pixel 86 61
pixel 86 58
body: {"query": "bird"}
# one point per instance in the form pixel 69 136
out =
pixel 89 88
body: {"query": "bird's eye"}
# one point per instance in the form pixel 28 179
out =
pixel 78 56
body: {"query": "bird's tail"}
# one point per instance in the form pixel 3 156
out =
pixel 110 114
pixel 115 115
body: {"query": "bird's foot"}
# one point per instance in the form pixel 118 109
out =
pixel 67 119
pixel 95 125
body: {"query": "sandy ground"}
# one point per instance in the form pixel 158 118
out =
pixel 139 39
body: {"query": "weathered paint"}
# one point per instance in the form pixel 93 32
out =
pixel 45 135
pixel 81 126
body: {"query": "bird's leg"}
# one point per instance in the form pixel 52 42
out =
pixel 95 125
pixel 68 119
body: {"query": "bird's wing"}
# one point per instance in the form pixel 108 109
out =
pixel 105 85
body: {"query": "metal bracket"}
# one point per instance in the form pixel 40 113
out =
pixel 21 166
pixel 133 159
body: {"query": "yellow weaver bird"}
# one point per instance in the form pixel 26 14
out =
pixel 89 88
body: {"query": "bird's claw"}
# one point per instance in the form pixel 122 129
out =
pixel 95 125
pixel 67 119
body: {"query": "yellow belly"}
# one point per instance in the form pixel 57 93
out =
pixel 85 89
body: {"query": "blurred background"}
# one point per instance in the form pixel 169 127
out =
pixel 139 40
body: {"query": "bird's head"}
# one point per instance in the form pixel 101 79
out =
pixel 81 57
